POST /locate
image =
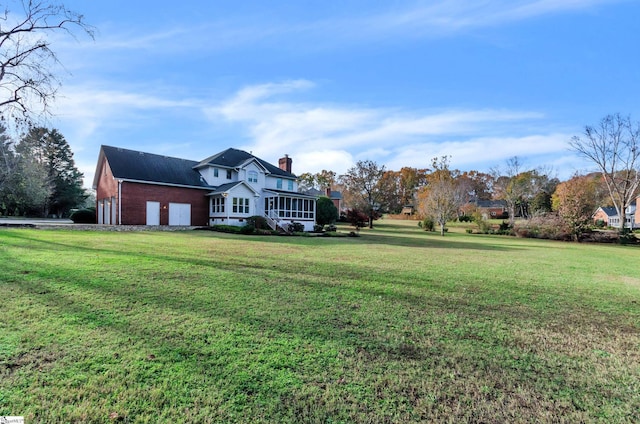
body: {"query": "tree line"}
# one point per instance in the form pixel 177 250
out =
pixel 38 175
pixel 442 194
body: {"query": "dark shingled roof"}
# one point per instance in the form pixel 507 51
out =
pixel 232 158
pixel 609 210
pixel 133 165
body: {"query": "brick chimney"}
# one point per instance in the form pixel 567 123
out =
pixel 328 192
pixel 285 163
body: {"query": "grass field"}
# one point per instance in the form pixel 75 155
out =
pixel 397 325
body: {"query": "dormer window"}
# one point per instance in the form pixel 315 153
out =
pixel 215 172
pixel 228 174
pixel 253 177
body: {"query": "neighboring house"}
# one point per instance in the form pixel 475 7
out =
pixel 488 208
pixel 138 188
pixel 335 196
pixel 609 215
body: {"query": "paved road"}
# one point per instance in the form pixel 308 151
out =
pixel 37 221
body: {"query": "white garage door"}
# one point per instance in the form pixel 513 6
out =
pixel 179 214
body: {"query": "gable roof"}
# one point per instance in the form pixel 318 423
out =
pixel 230 186
pixel 234 158
pixel 610 211
pixel 133 165
pixel 335 195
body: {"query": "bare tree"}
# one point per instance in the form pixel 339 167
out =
pixel 614 147
pixel 28 81
pixel 444 196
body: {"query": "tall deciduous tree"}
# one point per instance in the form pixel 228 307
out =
pixel 443 195
pixel 28 64
pixel 574 201
pixel 363 186
pixel 613 145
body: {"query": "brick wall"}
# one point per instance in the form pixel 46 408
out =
pixel 136 195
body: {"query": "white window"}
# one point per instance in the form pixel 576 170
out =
pixel 290 185
pixel 218 205
pixel 240 205
pixel 215 172
pixel 253 177
pixel 279 183
pixel 228 174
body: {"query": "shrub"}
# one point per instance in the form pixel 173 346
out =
pixel 226 228
pixel 357 218
pixel 326 211
pixel 296 227
pixel 427 224
pixel 84 216
pixel 317 228
pixel 545 227
pixel 465 218
pixel 258 222
pixel 505 229
pixel 331 228
pixel 484 227
pixel 469 230
pixel 247 229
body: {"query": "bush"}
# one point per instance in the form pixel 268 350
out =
pixel 247 229
pixel 469 230
pixel 484 227
pixel 326 211
pixel 226 228
pixel 545 227
pixel 505 229
pixel 258 222
pixel 317 228
pixel 84 216
pixel 331 228
pixel 296 227
pixel 465 218
pixel 427 224
pixel 357 218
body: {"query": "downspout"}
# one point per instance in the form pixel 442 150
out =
pixel 119 202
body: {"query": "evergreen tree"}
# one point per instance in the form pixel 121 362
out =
pixel 51 149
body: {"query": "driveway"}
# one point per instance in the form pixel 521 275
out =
pixel 35 221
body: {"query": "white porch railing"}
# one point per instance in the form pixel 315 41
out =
pixel 274 220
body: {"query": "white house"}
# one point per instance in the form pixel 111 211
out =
pixel 138 188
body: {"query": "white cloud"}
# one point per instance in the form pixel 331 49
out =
pixel 321 136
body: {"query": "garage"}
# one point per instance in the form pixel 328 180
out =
pixel 179 214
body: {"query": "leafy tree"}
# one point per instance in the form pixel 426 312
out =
pixel 614 147
pixel 399 187
pixel 357 218
pixel 51 149
pixel 319 181
pixel 326 211
pixel 363 187
pixel 28 81
pixel 574 201
pixel 477 185
pixel 443 195
pixel 524 192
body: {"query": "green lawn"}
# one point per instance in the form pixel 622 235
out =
pixel 397 325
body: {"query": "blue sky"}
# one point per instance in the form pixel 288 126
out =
pixel 330 83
